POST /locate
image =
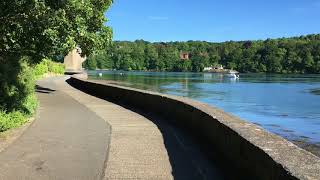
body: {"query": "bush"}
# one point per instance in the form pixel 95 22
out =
pixel 41 69
pixel 9 120
pixel 22 97
pixel 30 104
pixel 17 82
pixel 17 89
pixel 54 67
pixel 48 66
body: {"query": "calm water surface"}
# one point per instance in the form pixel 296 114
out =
pixel 288 105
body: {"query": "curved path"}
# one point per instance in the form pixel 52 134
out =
pixel 72 139
pixel 66 141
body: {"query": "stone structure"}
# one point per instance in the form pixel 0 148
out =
pixel 73 61
pixel 184 56
pixel 245 149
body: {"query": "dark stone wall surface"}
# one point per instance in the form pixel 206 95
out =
pixel 250 151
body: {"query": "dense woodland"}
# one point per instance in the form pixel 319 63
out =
pixel 284 55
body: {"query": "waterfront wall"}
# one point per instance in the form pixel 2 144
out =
pixel 246 147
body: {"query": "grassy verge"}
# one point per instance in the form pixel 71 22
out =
pixel 27 105
pixel 48 67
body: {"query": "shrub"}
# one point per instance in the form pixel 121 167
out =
pixel 48 66
pixel 10 120
pixel 17 82
pixel 30 104
pixel 54 67
pixel 17 86
pixel 41 69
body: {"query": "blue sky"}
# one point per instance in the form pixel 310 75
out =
pixel 212 20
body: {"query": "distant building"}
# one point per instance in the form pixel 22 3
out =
pixel 184 55
pixel 216 68
pixel 73 61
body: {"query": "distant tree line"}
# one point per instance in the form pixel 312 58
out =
pixel 284 55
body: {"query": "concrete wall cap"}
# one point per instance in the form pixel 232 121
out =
pixel 298 162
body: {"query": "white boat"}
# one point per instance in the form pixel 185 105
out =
pixel 235 76
pixel 232 74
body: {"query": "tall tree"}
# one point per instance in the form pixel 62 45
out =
pixel 33 29
pixel 151 57
pixel 46 27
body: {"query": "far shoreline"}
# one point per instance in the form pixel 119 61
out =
pixel 266 73
pixel 304 143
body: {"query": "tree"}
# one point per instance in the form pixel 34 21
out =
pixel 138 56
pixel 199 61
pixel 42 28
pixel 234 59
pixel 151 57
pixel 183 66
pixel 308 60
pixel 214 57
pixel 168 56
pixel 272 56
pixel 292 62
pixel 285 55
pixel 31 30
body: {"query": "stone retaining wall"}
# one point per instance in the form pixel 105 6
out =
pixel 246 147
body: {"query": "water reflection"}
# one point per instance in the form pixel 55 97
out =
pixel 287 105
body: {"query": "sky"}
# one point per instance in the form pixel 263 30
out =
pixel 212 20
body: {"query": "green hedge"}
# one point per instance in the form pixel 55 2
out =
pixel 18 101
pixel 48 66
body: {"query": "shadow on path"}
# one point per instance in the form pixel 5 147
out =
pixel 66 141
pixel 188 159
pixel 40 89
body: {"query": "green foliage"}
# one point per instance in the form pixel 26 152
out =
pixel 48 66
pixel 17 100
pixel 16 118
pixel 33 30
pixel 91 63
pixel 285 55
pixel 12 119
pixel 30 104
pixel 17 81
pixel 46 28
pixel 53 67
pixel 40 69
pixel 183 66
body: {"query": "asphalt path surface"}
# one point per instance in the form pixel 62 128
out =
pixel 76 136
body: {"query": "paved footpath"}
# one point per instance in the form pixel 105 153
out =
pixel 66 141
pixel 71 139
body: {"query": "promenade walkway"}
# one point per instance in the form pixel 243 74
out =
pixel 77 136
